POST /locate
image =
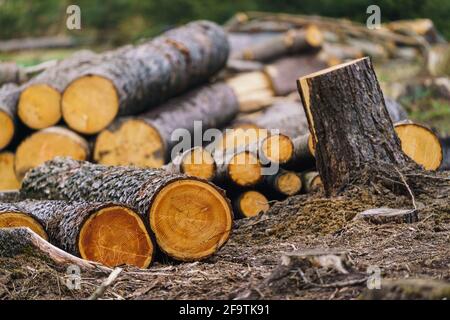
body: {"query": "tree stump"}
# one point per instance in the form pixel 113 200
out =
pixel 349 122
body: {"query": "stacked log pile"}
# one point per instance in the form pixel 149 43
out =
pixel 176 126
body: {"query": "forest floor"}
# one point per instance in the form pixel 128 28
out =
pixel 250 265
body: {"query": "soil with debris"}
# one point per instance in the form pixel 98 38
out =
pixel 251 265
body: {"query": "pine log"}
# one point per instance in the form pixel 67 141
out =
pixel 146 140
pixel 190 218
pixel 311 181
pixel 144 76
pixel 9 95
pixel 239 41
pixel 107 233
pixel 12 215
pixel 282 184
pixel 47 144
pixel 249 204
pixel 39 104
pixel 10 196
pixel 445 143
pixel 284 72
pixel 8 178
pixel 349 122
pixel 253 90
pixel 291 42
pixel 304 154
pixel 421 27
pixel 196 162
pixel 395 110
pixel 421 144
pixel 237 168
pixel 287 116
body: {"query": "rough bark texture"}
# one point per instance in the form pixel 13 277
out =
pixel 388 215
pixel 18 241
pixel 9 196
pixel 149 74
pixel 350 123
pixel 286 116
pixel 67 179
pixel 284 72
pixel 61 74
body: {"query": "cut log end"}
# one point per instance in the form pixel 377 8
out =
pixel 8 180
pixel 191 219
pixel 245 169
pixel 278 148
pixel 18 219
pixel 90 104
pixel 198 162
pixel 420 144
pixel 314 36
pixel 39 106
pixel 6 129
pixel 134 143
pixel 47 144
pixel 289 183
pixel 251 203
pixel 114 236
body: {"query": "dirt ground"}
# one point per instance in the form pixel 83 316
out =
pixel 250 265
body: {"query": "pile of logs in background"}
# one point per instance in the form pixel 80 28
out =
pixel 125 193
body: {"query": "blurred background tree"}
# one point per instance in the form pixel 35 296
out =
pixel 119 21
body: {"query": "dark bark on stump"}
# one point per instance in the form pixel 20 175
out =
pixel 349 122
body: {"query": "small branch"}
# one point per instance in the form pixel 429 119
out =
pixel 407 187
pixel 106 284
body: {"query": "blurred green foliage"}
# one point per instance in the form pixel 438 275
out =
pixel 125 20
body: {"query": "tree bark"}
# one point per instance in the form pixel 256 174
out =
pixel 211 106
pixel 80 229
pixel 349 122
pixel 144 76
pixel 284 72
pixel 10 72
pixel 23 241
pixel 293 41
pixel 172 204
pixel 304 154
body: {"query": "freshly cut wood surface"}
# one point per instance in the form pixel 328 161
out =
pixel 250 203
pixel 12 215
pixel 47 144
pixel 196 162
pixel 420 144
pixel 8 178
pixel 39 104
pixel 190 218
